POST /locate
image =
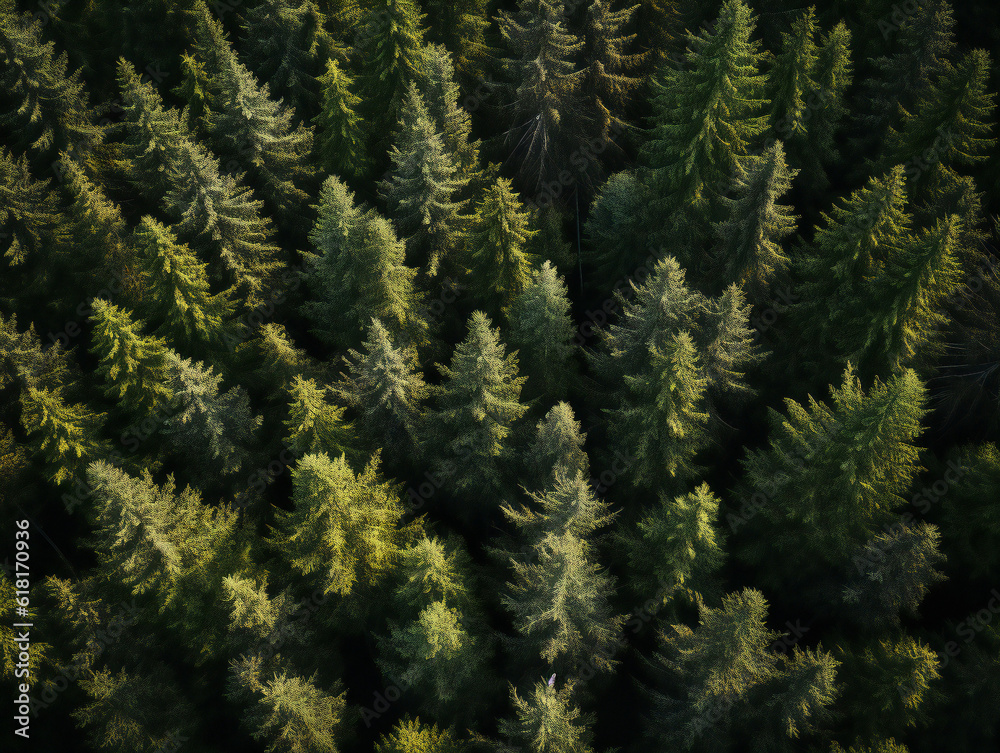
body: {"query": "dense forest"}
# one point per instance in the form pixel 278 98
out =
pixel 482 376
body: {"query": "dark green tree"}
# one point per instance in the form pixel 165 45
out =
pixel 499 267
pixel 343 530
pixel 314 424
pixel 65 434
pixel 479 404
pixel 133 365
pixel 351 245
pixel 831 475
pixel 548 721
pixel 749 240
pixel 708 115
pixel 340 141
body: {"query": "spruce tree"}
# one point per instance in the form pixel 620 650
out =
pixel 891 574
pixel 969 519
pixel 143 711
pixel 442 96
pixel 832 74
pixel 543 333
pixel 351 244
pixel 557 448
pixel 411 736
pixel 213 213
pixel 548 721
pixel 287 42
pixel 749 250
pixel 314 425
pixel 421 194
pixel 728 686
pixel 831 475
pixel 194 320
pixel 342 532
pixel 859 237
pixel 386 389
pixel 461 26
pixel 438 647
pixel 499 268
pixel 288 712
pixel 391 54
pixel 214 429
pixel 708 115
pixel 951 123
pixel 133 365
pixel 893 318
pixel 545 112
pixel 611 66
pixel 46 109
pixel 469 434
pixel 925 45
pixel 790 80
pixel 340 143
pixel 250 130
pixel 677 546
pixel 65 434
pixel 618 229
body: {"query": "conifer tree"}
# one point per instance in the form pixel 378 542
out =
pixel 749 251
pixel 287 42
pixel 969 523
pixel 213 213
pixel 730 686
pixel 858 239
pixel 289 712
pixel 25 362
pixel 545 113
pixel 611 67
pixel 97 231
pixel 557 447
pixel 33 226
pixel 499 267
pixel 831 475
pixel 832 74
pixel 559 597
pixel 193 319
pixel 152 539
pixel 213 428
pixel 543 333
pixel 438 648
pixel 351 244
pixel 249 129
pixel 314 425
pixel 343 530
pixel 790 80
pixel 951 123
pixel 618 228
pixel 386 389
pixel 421 195
pixel 479 406
pixel 461 26
pixel 134 710
pixel 709 114
pixel 65 434
pixel 132 365
pixel 411 736
pixel 390 44
pixel 677 546
pixel 548 721
pixel 340 143
pixel 441 94
pixel 925 44
pixel 888 685
pixel 894 317
pixel 891 574
pixel 46 108
pixel 662 422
